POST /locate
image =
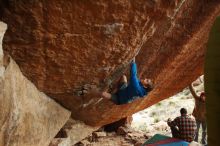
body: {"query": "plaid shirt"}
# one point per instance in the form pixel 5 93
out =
pixel 187 127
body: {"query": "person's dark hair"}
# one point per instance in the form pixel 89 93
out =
pixel 183 111
pixel 149 87
pixel 202 94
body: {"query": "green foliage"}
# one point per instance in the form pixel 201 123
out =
pixel 156 120
pixel 171 103
pixel 186 92
pixel 153 113
pixel 143 127
pixel 159 104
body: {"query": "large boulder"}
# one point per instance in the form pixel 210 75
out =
pixel 27 117
pixel 72 132
pixel 67 47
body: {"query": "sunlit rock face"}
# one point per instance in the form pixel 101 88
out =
pixel 27 116
pixel 65 47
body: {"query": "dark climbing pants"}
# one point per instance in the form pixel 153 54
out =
pixel 204 131
pixel 175 132
pixel 114 97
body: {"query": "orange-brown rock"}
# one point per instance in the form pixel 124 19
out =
pixel 67 47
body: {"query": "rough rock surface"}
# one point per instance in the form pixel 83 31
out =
pixel 72 132
pixel 60 142
pixel 27 117
pixel 130 138
pixel 67 47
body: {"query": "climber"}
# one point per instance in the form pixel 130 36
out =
pixel 199 113
pixel 183 127
pixel 129 92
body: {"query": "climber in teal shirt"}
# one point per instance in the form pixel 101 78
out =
pixel 129 92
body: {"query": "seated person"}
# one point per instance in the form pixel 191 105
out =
pixel 129 92
pixel 183 127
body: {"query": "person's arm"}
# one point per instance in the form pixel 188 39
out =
pixel 133 69
pixel 134 81
pixel 193 92
pixel 169 122
pixel 172 123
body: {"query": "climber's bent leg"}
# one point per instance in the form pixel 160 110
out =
pixel 106 95
pixel 122 82
pixel 109 96
pixel 124 79
pixel 114 98
pixel 175 132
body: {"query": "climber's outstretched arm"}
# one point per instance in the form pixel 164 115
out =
pixel 134 81
pixel 133 60
pixel 193 92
